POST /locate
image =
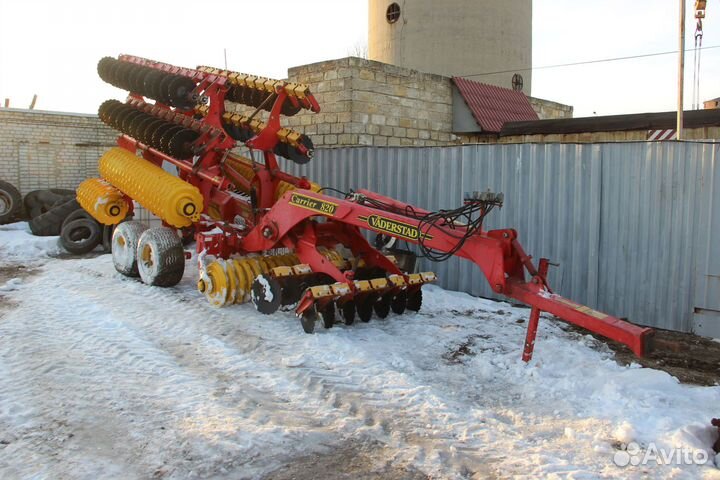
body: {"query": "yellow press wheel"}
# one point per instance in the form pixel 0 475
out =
pixel 215 284
pixel 224 282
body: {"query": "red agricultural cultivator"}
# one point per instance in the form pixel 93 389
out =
pixel 272 238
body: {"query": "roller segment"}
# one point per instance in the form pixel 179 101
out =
pixel 104 202
pixel 177 202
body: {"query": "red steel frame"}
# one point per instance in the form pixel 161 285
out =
pixel 287 223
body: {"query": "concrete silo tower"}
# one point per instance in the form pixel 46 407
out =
pixel 455 38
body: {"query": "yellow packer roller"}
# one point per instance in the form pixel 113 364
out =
pixel 224 282
pixel 104 202
pixel 177 202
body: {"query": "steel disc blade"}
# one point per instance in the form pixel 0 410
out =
pixel 119 116
pixel 327 313
pixel 266 294
pixel 141 126
pixel 103 68
pixel 164 143
pixel 308 319
pixel 399 303
pixel 180 92
pixel 382 306
pixel 288 109
pixel 147 136
pixel 127 121
pixel 347 312
pixel 180 145
pixel 414 300
pixel 364 308
pixel 123 71
pixel 106 109
pixel 133 80
pixel 134 125
pixel 158 132
pixel 162 90
pixel 151 81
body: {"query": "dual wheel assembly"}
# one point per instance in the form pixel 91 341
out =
pixel 155 255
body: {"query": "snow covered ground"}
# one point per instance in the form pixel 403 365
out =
pixel 104 377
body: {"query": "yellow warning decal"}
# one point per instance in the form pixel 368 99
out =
pixel 310 203
pixel 581 308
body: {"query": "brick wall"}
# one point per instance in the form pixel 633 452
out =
pixel 547 110
pixel 41 149
pixel 371 103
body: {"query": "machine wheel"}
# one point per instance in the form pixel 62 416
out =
pixel 398 304
pixel 328 315
pixel 266 294
pixel 382 306
pixel 347 311
pixel 124 247
pixel 160 257
pixel 81 235
pixel 414 300
pixel 308 319
pixel 10 202
pixel 365 308
pixel 50 222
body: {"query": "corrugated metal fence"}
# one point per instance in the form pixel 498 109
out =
pixel 631 224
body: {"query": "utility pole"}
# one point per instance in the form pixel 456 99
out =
pixel 681 72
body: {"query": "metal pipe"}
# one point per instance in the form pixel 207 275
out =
pixel 681 72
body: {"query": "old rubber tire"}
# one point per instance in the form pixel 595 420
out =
pixel 124 247
pixel 50 222
pixel 10 202
pixel 160 257
pixel 38 202
pixel 76 215
pixel 81 235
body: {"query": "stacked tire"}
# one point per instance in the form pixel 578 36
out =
pixel 10 203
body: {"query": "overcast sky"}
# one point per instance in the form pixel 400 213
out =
pixel 52 47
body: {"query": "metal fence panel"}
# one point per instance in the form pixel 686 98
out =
pixel 628 222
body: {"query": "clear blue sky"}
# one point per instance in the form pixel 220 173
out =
pixel 51 47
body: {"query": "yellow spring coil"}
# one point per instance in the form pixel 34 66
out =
pixel 284 187
pixel 224 282
pixel 178 203
pixel 104 202
pixel 242 165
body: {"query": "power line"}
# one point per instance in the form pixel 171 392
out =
pixel 585 62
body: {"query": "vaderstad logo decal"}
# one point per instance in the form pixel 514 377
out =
pixel 309 203
pixel 395 228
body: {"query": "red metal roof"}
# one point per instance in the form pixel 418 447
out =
pixel 493 106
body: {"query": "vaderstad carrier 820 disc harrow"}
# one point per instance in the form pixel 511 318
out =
pixel 272 238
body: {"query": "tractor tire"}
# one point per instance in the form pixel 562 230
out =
pixel 160 257
pixel 50 222
pixel 10 202
pixel 81 235
pixel 38 202
pixel 124 247
pixel 76 215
